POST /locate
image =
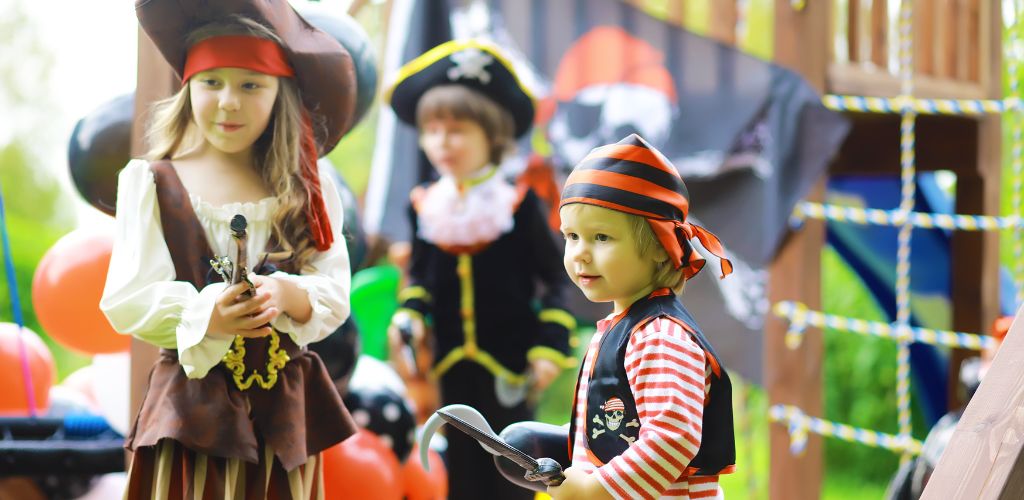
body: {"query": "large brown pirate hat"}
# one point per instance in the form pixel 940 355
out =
pixel 323 68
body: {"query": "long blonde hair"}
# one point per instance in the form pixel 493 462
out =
pixel 277 152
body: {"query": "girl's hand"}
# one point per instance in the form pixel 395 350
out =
pixel 284 296
pixel 234 314
pixel 544 372
pixel 578 484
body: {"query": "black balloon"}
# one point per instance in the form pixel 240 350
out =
pixel 339 351
pixel 353 37
pixel 385 413
pixel 100 145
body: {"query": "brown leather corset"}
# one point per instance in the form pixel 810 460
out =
pixel 299 416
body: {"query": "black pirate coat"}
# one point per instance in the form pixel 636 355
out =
pixel 483 300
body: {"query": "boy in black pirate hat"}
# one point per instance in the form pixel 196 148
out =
pixel 236 406
pixel 652 413
pixel 479 246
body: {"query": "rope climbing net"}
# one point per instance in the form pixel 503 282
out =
pixel 905 219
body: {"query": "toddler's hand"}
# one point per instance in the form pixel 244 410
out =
pixel 578 484
pixel 234 314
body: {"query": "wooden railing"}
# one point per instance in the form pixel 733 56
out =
pixel 953 44
pixel 953 41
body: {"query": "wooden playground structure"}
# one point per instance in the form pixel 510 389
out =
pixel 957 54
pixel 850 48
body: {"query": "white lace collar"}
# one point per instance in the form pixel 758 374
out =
pixel 478 215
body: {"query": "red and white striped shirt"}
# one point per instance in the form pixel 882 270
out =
pixel 669 377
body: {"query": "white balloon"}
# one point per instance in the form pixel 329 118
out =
pixel 107 486
pixel 372 373
pixel 112 388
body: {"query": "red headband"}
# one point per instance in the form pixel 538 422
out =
pixel 266 56
pixel 237 51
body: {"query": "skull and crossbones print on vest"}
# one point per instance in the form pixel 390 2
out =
pixel 614 412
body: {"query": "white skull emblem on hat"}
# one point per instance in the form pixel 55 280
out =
pixel 471 63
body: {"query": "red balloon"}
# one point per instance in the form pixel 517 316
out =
pixel 66 291
pixel 417 483
pixel 362 467
pixel 13 399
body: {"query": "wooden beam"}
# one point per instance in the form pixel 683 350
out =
pixel 853 31
pixel 873 145
pixel 944 39
pixel 724 16
pixel 803 41
pixel 974 270
pixel 983 458
pixel 962 54
pixel 848 79
pixel 990 48
pixel 924 36
pixel 676 12
pixel 880 34
pixel 974 40
pixel 156 81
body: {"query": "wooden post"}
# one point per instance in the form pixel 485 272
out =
pixel 853 31
pixel 880 34
pixel 802 43
pixel 975 254
pixel 156 81
pixel 724 15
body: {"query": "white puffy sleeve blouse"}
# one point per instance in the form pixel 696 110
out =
pixel 142 298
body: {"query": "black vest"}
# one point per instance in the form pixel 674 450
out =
pixel 612 423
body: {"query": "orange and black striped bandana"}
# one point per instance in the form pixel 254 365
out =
pixel 632 176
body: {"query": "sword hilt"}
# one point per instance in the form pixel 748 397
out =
pixel 548 472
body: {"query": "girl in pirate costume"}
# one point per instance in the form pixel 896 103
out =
pixel 236 406
pixel 652 414
pixel 479 247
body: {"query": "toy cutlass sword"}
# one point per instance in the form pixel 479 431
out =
pixel 468 420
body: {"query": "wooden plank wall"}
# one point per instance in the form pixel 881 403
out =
pixel 947 44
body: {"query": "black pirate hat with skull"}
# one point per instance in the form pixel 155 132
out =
pixel 474 63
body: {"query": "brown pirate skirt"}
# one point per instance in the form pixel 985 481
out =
pixel 206 438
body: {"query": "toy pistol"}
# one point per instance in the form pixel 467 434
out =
pixel 237 271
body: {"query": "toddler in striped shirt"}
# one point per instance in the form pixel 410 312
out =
pixel 652 410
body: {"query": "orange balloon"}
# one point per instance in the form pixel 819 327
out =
pixel 66 291
pixel 417 483
pixel 13 399
pixel 362 466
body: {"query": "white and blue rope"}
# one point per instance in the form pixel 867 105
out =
pixel 799 424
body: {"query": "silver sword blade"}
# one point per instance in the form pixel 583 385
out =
pixel 508 451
